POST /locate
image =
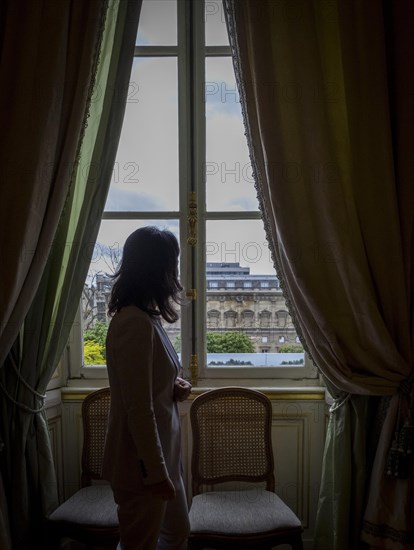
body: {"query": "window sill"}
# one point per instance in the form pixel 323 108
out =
pixel 272 377
pixel 295 393
pixel 78 391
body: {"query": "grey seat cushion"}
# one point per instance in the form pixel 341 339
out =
pixel 240 513
pixel 92 505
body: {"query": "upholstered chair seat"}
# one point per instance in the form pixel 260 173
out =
pixel 93 506
pixel 241 513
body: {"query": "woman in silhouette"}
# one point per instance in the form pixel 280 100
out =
pixel 142 449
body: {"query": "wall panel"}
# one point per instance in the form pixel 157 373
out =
pixel 298 433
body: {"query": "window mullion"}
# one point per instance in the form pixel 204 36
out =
pixel 141 215
pixel 199 162
pixel 232 215
pixel 185 174
pixel 155 51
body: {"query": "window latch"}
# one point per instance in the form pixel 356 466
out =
pixel 192 219
pixel 192 294
pixel 194 370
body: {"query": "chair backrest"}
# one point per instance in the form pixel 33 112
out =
pixel 95 412
pixel 231 430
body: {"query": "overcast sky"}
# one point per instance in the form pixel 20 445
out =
pixel 146 168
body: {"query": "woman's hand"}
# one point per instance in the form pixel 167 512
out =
pixel 164 490
pixel 182 389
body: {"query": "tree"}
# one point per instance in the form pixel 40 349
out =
pixel 177 344
pixel 93 353
pixel 89 311
pixel 229 342
pixel 105 262
pixel 291 348
pixel 97 334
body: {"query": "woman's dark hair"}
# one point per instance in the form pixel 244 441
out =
pixel 148 274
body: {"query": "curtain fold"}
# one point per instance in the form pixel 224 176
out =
pixel 27 457
pixel 47 56
pixel 329 124
pixel 44 76
pixel 345 470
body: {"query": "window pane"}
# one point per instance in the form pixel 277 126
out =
pixel 229 179
pixel 157 23
pixel 247 318
pixel 106 256
pixel 216 28
pixel 145 176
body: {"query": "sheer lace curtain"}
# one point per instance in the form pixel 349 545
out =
pixel 59 154
pixel 325 90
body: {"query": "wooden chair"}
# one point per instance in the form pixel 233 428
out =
pixel 232 443
pixel 90 515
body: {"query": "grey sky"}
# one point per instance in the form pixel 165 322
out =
pixel 146 168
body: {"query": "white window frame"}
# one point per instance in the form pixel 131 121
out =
pixel 192 164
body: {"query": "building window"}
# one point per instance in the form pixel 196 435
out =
pixel 281 318
pixel 230 319
pixel 183 145
pixel 247 318
pixel 265 317
pixel 213 319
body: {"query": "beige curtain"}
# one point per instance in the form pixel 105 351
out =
pixel 326 89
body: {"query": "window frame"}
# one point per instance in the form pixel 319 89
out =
pixel 191 54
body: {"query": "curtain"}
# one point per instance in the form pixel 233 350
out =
pixel 326 91
pixel 5 541
pixel 27 461
pixel 48 52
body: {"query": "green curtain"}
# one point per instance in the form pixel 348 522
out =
pixel 325 92
pixel 29 366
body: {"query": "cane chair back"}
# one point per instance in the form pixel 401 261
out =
pixel 231 438
pixel 234 504
pixel 95 411
pixel 90 515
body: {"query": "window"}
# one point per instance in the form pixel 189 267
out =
pixel 183 153
pixel 230 319
pixel 282 318
pixel 213 319
pixel 265 317
pixel 248 318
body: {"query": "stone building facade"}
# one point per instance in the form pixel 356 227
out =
pixel 236 301
pixel 253 304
